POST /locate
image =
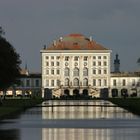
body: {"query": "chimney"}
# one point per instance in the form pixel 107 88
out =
pixel 54 42
pixel 90 38
pixel 61 39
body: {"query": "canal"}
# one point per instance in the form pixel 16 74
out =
pixel 78 120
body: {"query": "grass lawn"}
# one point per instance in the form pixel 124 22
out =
pixel 13 106
pixel 131 104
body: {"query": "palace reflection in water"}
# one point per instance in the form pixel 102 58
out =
pixel 72 122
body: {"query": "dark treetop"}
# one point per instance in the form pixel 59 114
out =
pixel 9 64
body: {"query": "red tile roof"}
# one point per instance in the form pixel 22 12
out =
pixel 75 42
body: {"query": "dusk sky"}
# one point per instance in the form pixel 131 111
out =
pixel 29 24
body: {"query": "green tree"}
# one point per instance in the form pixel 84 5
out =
pixel 9 63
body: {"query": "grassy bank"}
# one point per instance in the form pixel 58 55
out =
pixel 11 107
pixel 131 104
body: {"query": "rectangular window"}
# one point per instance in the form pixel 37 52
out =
pixel 52 82
pixel 47 82
pixel 105 57
pixel 52 57
pixel 52 72
pixel 52 63
pixel 94 82
pixel 99 57
pixel 58 71
pixel 114 83
pixel 47 63
pixel 105 71
pixel 133 82
pixel 47 57
pixel 94 71
pixel 57 63
pixel 99 71
pixel 37 83
pixel 99 63
pixel 99 82
pixel 57 57
pixel 47 72
pixel 94 57
pixel 58 82
pixel 94 63
pixel 105 82
pixel 66 58
pixel 105 63
pixel 85 58
pixel 76 58
pixel 124 82
pixel 27 83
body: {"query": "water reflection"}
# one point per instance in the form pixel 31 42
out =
pixel 72 123
pixel 83 112
pixel 90 134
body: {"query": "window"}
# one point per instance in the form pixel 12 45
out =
pixel 105 63
pixel 58 82
pixel 133 82
pixel 47 82
pixel 27 83
pixel 94 57
pixel 66 82
pixel 47 72
pixel 94 82
pixel 114 83
pixel 67 72
pixel 105 57
pixel 66 58
pixel 76 58
pixel 52 63
pixel 94 63
pixel 99 57
pixel 37 83
pixel 47 63
pixel 99 71
pixel 52 72
pixel 85 58
pixel 99 82
pixel 47 57
pixel 57 57
pixel 105 82
pixel 76 72
pixel 94 71
pixel 105 71
pixel 124 82
pixel 85 82
pixel 76 82
pixel 52 57
pixel 52 82
pixel 57 63
pixel 85 72
pixel 58 71
pixel 99 63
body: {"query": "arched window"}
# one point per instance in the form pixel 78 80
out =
pixel 85 82
pixel 76 82
pixel 76 72
pixel 85 72
pixel 66 82
pixel 67 72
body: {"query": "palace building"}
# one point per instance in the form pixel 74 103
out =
pixel 75 65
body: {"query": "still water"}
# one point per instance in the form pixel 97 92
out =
pixel 72 122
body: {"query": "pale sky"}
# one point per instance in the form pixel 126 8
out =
pixel 29 24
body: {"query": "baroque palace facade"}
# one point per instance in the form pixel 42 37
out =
pixel 75 65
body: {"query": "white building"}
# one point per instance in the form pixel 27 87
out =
pixel 75 65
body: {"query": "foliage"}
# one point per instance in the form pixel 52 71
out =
pixel 9 63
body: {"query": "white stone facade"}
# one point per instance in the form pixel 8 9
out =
pixel 67 70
